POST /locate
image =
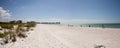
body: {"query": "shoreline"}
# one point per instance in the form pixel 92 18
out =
pixel 79 26
pixel 54 36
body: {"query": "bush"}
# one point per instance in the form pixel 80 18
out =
pixel 1 29
pixel 19 32
pixel 7 26
pixel 23 30
pixel 30 25
pixel 2 35
pixel 21 25
pixel 21 35
pixel 14 38
pixel 99 46
pixel 6 41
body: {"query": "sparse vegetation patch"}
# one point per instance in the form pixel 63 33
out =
pixel 12 31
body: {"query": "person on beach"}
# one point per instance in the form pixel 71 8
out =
pixel 103 26
pixel 89 25
pixel 70 25
pixel 80 25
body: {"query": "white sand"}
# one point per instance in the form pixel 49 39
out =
pixel 53 36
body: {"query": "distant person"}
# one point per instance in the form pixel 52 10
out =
pixel 89 26
pixel 68 25
pixel 103 26
pixel 80 25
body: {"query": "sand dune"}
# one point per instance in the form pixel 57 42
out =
pixel 53 36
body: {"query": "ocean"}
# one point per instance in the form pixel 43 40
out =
pixel 104 25
pixel 98 25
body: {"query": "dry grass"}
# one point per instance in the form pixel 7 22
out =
pixel 19 32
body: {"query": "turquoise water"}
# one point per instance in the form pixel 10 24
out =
pixel 99 25
pixel 107 25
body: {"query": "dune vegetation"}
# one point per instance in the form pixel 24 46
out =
pixel 10 32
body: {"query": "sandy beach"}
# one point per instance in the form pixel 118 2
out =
pixel 55 36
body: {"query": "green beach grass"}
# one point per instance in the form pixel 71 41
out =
pixel 19 31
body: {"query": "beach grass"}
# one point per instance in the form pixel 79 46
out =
pixel 8 26
pixel 30 25
pixel 18 32
pixel 2 35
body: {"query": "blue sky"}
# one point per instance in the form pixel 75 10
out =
pixel 64 10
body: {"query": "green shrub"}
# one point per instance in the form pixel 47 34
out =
pixel 14 38
pixel 30 25
pixel 6 39
pixel 2 35
pixel 99 46
pixel 1 29
pixel 23 30
pixel 21 35
pixel 19 32
pixel 7 26
pixel 21 25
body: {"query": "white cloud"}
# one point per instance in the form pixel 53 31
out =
pixel 4 13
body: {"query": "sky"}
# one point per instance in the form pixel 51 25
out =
pixel 82 11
